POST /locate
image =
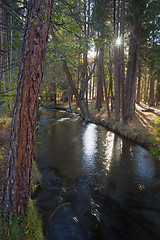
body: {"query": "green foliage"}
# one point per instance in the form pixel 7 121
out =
pixel 155 139
pixel 28 227
pixel 134 128
pixel 155 151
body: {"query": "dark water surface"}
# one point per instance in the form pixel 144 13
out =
pixel 95 184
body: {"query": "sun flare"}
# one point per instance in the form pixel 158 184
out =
pixel 118 41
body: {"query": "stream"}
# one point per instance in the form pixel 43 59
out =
pixel 95 184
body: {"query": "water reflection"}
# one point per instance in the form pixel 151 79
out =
pixel 101 176
pixel 89 141
pixel 144 167
pixel 108 144
pixel 113 149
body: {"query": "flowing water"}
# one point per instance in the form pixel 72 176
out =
pixel 95 184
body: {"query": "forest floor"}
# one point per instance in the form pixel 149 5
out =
pixel 144 129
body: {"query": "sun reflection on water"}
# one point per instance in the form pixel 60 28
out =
pixel 89 141
pixel 108 144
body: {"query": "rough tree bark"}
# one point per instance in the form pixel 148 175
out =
pixel 138 97
pixel 103 80
pixel 158 91
pixel 145 87
pixel 55 94
pixel 100 79
pixel 133 61
pixel 17 186
pixel 110 92
pixel 116 63
pixel 122 64
pixel 151 91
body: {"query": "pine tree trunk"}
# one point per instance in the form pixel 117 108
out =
pixel 122 64
pixel 100 79
pixel 17 186
pixel 106 97
pixel 69 100
pixel 158 91
pixel 110 93
pixel 93 87
pixel 90 89
pixel 55 94
pixel 145 86
pixel 132 67
pixel 139 86
pixel 116 64
pixel 1 47
pixel 151 93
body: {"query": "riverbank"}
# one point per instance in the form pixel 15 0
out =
pixel 144 128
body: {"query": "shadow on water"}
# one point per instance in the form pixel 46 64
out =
pixel 95 184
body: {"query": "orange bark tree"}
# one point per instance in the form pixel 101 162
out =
pixel 17 186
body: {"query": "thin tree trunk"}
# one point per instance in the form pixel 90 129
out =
pixel 122 64
pixel 106 97
pixel 69 100
pixel 1 47
pixel 110 92
pixel 116 64
pixel 93 87
pixel 139 86
pixel 158 91
pixel 90 89
pixel 17 186
pixel 11 48
pixel 87 94
pixel 54 94
pixel 100 79
pixel 145 87
pixel 151 93
pixel 78 78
